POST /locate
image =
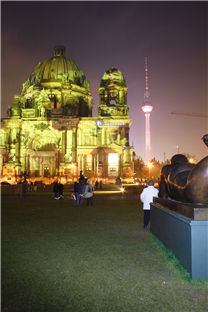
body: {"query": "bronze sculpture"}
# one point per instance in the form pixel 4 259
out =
pixel 183 181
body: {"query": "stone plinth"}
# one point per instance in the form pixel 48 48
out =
pixel 183 228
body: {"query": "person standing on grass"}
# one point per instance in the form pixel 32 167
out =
pixel 96 185
pixel 146 198
pixel 101 184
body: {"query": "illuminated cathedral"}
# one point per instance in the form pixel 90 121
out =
pixel 50 132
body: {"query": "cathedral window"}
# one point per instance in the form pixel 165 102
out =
pixel 89 162
pixel 28 103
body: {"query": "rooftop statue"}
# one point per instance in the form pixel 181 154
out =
pixel 183 181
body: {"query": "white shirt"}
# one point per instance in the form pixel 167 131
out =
pixel 147 195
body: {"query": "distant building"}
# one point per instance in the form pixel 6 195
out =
pixel 50 130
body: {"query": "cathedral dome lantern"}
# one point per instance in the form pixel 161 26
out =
pixel 57 83
pixel 113 94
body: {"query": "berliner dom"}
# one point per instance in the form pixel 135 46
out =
pixel 50 131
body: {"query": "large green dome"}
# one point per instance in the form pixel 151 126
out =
pixel 56 87
pixel 58 70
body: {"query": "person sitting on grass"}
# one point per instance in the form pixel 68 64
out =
pixel 58 189
pixel 61 190
pixel 88 193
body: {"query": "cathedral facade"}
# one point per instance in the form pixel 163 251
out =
pixel 50 132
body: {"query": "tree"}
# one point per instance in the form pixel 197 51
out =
pixel 139 166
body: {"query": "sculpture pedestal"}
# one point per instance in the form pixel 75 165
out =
pixel 185 236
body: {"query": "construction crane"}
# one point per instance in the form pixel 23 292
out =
pixel 190 114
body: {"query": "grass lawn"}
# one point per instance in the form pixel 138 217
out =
pixel 59 258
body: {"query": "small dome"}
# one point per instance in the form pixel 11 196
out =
pixel 112 76
pixel 58 70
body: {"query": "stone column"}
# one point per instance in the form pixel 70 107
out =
pixel 17 147
pixel 120 171
pixel 121 97
pixel 82 165
pixel 94 166
pixel 74 145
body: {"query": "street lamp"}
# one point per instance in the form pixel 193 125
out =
pixel 149 166
pixel 192 160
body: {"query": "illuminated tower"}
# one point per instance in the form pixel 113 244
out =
pixel 147 108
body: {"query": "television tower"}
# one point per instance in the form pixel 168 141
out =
pixel 147 108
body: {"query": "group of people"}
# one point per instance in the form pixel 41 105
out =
pixel 83 190
pixel 98 185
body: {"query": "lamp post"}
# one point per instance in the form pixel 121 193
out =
pixel 150 166
pixel 192 160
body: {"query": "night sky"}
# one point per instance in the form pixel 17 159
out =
pixel 98 35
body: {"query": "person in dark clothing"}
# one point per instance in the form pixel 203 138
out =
pixel 81 177
pixel 96 185
pixel 81 191
pixel 61 190
pixel 77 192
pixel 101 184
pixel 56 189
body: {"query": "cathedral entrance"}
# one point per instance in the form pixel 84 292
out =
pixel 113 164
pixel 42 163
pixel 46 172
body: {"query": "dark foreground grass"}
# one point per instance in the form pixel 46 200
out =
pixel 57 257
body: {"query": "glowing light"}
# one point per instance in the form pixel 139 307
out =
pixel 122 189
pixel 147 108
pixel 107 192
pixel 192 160
pixel 113 159
pixel 150 165
pixel 147 137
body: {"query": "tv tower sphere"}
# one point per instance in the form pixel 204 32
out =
pixel 147 108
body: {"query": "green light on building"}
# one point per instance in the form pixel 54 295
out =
pixel 50 131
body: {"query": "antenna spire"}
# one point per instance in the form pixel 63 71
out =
pixel 146 93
